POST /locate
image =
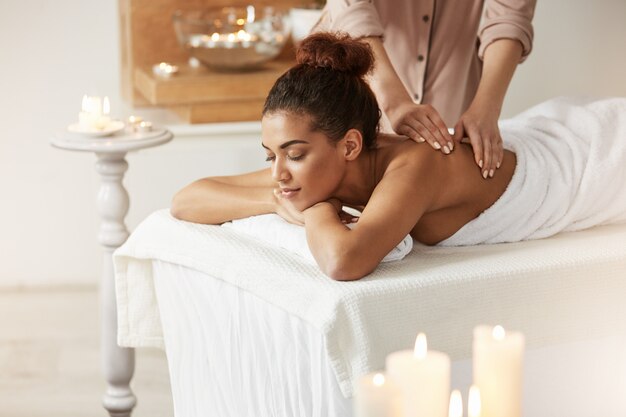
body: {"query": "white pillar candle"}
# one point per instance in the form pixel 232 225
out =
pixel 85 119
pixel 424 379
pixel 497 363
pixel 104 119
pixel 456 404
pixel 94 114
pixel 473 402
pixel 376 396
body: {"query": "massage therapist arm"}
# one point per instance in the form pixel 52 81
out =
pixel 480 121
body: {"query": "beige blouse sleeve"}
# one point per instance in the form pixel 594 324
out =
pixel 358 18
pixel 507 19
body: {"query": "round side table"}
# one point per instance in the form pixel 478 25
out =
pixel 113 202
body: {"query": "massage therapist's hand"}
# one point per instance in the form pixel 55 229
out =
pixel 480 125
pixel 422 123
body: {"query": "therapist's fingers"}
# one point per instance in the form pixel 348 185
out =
pixel 416 130
pixel 496 152
pixel 422 123
pixel 427 129
pixel 477 147
pixel 459 132
pixel 488 159
pixel 439 127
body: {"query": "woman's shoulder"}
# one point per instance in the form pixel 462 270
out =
pixel 400 152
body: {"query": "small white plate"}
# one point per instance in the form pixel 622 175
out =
pixel 114 126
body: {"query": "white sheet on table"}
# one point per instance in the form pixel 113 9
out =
pixel 232 354
pixel 433 289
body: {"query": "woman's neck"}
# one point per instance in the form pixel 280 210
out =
pixel 360 179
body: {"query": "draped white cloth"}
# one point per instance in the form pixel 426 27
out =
pixel 570 173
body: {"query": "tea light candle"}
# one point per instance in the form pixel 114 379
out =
pixel 134 120
pixel 164 70
pixel 423 377
pixel 376 396
pixel 497 364
pixel 144 127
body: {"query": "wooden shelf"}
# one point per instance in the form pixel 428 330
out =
pixel 200 95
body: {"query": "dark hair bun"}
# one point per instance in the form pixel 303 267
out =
pixel 336 51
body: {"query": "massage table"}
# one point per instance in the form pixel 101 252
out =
pixel 253 329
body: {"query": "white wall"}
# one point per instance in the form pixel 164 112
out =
pixel 51 53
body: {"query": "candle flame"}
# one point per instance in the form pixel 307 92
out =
pixel 499 333
pixel 243 35
pixel 241 22
pixel 421 346
pixel 250 14
pixel 215 37
pixel 456 404
pixel 379 380
pixel 473 402
pixel 231 37
pixel 106 106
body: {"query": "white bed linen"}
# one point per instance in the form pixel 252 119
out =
pixel 552 289
pixel 231 354
pixel 444 292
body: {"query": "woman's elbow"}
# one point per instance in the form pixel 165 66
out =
pixel 181 207
pixel 342 267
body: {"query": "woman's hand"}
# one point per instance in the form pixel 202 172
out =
pixel 338 208
pixel 480 125
pixel 286 210
pixel 422 123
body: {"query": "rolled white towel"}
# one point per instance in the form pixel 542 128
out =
pixel 273 229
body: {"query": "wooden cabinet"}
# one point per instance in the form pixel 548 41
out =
pixel 198 95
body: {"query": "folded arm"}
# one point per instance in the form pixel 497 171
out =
pixel 349 254
pixel 216 200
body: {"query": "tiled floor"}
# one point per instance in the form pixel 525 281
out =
pixel 50 362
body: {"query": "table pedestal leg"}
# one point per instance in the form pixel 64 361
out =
pixel 118 363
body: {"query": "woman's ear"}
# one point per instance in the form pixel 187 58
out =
pixel 352 144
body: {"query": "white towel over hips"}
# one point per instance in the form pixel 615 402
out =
pixel 570 174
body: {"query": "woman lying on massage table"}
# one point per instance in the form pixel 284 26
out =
pixel 320 133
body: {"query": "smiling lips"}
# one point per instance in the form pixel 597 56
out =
pixel 289 192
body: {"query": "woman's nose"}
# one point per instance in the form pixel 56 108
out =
pixel 279 172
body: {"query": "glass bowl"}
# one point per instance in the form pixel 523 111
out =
pixel 232 38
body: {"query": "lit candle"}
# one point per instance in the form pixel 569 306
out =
pixel 497 362
pixel 376 396
pixel 423 377
pixel 164 70
pixel 84 117
pixel 456 404
pixel 134 120
pixel 103 119
pixel 144 127
pixel 90 116
pixel 473 402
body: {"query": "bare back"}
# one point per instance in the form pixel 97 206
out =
pixel 461 192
